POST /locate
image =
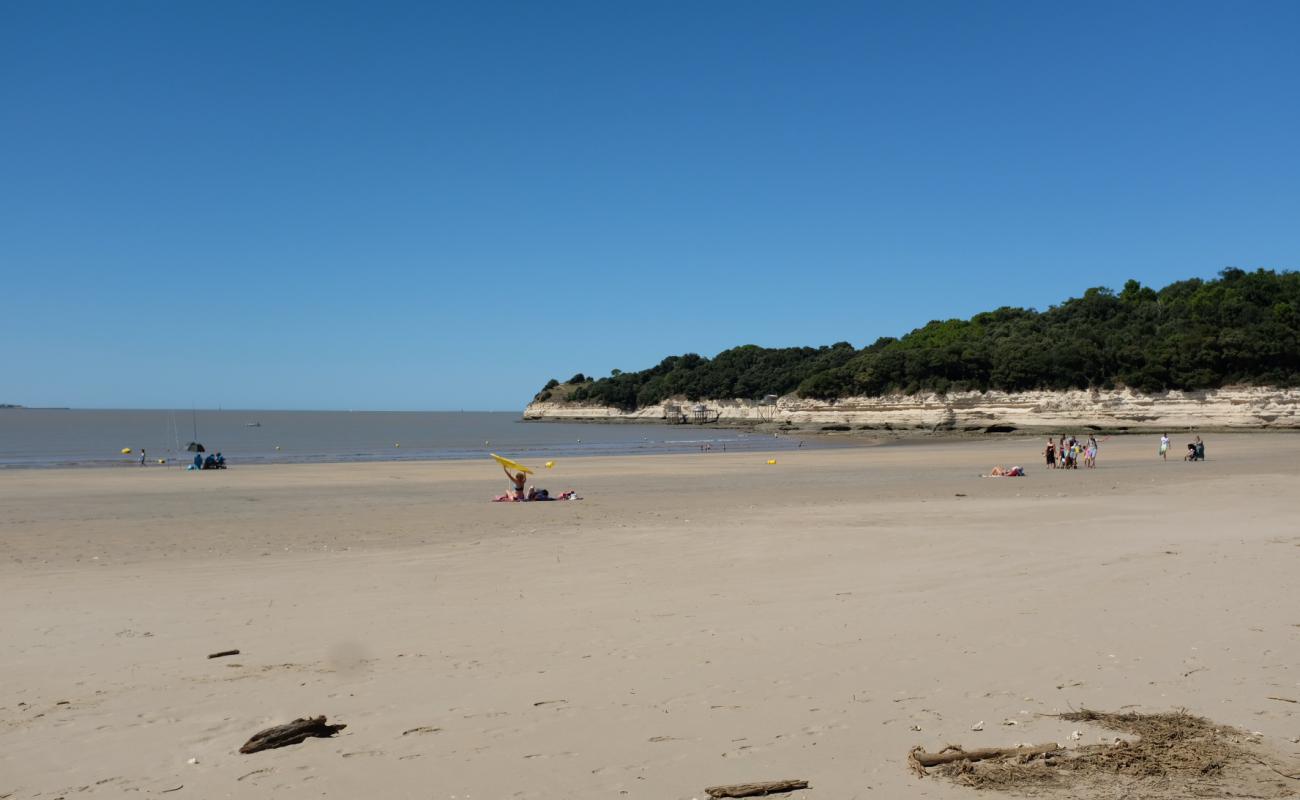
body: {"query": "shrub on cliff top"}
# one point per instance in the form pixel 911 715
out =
pixel 1243 328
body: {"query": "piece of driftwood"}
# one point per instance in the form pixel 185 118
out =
pixel 290 733
pixel 223 653
pixel 755 789
pixel 921 759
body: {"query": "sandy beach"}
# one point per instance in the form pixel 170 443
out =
pixel 695 620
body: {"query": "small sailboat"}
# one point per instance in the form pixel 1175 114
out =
pixel 195 446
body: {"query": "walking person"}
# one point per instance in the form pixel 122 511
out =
pixel 1050 452
pixel 1164 447
pixel 142 456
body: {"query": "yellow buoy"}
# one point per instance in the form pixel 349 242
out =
pixel 550 464
pixel 126 451
pixel 771 461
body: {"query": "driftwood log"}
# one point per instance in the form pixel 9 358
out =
pixel 290 733
pixel 921 759
pixel 755 789
pixel 223 654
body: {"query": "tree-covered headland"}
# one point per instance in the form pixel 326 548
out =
pixel 1243 328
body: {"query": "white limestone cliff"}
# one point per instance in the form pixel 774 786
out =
pixel 1243 407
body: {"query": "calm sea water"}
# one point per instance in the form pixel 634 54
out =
pixel 54 438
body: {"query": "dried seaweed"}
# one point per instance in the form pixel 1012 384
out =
pixel 1171 755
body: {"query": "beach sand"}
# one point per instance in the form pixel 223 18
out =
pixel 695 620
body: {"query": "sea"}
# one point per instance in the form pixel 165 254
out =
pixel 35 438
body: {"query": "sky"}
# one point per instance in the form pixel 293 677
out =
pixel 425 206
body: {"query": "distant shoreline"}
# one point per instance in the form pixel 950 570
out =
pixel 34 408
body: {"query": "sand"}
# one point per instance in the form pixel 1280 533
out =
pixel 695 620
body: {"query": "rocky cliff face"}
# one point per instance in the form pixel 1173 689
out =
pixel 1237 407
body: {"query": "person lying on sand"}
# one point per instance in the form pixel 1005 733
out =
pixel 535 494
pixel 1000 472
pixel 542 494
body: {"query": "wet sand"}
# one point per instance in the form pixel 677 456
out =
pixel 695 620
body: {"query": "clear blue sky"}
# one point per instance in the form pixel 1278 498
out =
pixel 435 206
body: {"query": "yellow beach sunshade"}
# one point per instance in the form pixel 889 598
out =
pixel 508 464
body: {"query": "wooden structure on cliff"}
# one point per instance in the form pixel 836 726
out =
pixel 699 414
pixel 673 414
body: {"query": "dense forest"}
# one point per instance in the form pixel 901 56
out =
pixel 1243 328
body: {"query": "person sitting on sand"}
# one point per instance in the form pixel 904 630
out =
pixel 518 481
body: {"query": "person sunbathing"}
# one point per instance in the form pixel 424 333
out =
pixel 535 494
pixel 1001 472
pixel 518 480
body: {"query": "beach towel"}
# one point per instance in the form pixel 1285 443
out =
pixel 570 494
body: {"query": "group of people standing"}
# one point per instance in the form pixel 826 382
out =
pixel 1069 452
